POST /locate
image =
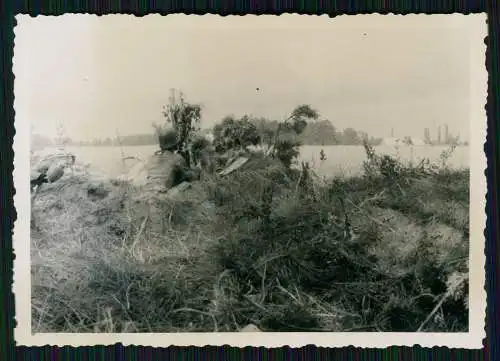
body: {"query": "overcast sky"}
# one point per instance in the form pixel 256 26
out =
pixel 102 75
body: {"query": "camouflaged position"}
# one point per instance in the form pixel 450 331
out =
pixel 164 171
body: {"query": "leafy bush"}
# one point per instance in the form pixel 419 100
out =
pixel 235 134
pixel 286 139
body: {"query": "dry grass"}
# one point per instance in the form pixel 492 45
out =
pixel 263 246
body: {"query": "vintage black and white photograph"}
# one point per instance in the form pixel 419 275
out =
pixel 259 174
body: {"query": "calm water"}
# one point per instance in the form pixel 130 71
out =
pixel 340 160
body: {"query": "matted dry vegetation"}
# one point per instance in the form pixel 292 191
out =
pixel 281 249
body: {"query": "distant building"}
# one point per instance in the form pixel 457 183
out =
pixel 427 136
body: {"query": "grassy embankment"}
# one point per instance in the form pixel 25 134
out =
pixel 386 251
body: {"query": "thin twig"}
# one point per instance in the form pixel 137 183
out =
pixel 374 198
pixel 263 284
pixel 440 303
pixel 170 214
pixel 42 312
pixel 137 237
pixel 127 295
pixel 283 289
pixel 255 303
pixel 186 309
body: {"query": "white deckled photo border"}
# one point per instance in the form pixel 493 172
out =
pixel 477 294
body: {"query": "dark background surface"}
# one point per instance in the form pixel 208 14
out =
pixel 8 9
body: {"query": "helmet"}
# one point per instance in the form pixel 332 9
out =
pixel 167 139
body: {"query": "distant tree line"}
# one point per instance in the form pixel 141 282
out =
pixel 39 141
pixel 135 139
pixel 320 132
pixel 254 130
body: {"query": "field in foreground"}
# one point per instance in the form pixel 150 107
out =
pixel 286 251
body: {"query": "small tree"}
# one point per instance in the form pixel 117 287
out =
pixel 185 118
pixel 286 142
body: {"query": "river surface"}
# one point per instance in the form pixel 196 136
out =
pixel 340 160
